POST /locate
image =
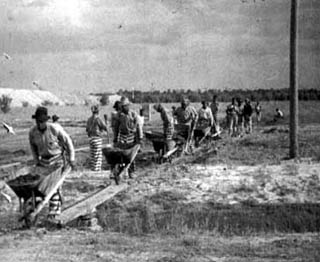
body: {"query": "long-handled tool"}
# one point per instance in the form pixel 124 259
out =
pixel 126 168
pixel 190 136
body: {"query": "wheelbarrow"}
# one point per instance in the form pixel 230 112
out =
pixel 120 160
pixel 163 147
pixel 34 188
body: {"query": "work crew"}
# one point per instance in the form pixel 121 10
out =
pixel 247 116
pixel 232 117
pixel 94 129
pixel 52 149
pixel 168 125
pixel 128 129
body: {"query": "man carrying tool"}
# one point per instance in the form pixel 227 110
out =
pixel 52 149
pixel 168 129
pixel 95 128
pixel 205 122
pixel 187 117
pixel 128 130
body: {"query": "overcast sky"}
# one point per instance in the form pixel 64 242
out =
pixel 82 46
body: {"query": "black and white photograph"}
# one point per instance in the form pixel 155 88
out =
pixel 160 130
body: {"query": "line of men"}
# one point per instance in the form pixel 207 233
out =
pixel 239 116
pixel 52 148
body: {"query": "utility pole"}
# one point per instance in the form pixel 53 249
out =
pixel 294 147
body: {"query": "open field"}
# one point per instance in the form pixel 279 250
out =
pixel 236 199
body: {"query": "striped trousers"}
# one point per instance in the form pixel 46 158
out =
pixel 95 153
pixel 51 167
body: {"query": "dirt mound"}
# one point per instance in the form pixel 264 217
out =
pixel 21 97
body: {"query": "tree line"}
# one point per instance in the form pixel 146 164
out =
pixel 173 96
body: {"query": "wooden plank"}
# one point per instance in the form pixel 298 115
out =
pixel 84 148
pixel 88 204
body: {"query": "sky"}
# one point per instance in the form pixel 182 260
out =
pixel 83 46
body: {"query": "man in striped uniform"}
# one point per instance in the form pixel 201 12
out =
pixel 51 148
pixel 168 129
pixel 95 128
pixel 128 129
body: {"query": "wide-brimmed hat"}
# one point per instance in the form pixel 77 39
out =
pixel 95 109
pixel 41 114
pixel 125 101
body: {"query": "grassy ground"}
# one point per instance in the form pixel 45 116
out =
pixel 161 217
pixel 88 246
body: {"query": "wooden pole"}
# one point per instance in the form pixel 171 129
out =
pixel 293 153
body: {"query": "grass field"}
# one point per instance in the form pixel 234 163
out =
pixel 215 205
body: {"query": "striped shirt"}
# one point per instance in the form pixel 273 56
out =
pixel 127 127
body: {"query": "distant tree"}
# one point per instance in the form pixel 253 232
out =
pixel 25 103
pixel 47 103
pixel 5 103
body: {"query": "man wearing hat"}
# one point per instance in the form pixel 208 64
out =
pixel 167 121
pixel 51 147
pixel 187 118
pixel 95 128
pixel 55 118
pixel 128 129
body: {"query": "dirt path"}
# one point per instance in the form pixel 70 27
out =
pixel 74 245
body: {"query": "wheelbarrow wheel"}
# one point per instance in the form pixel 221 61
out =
pixel 28 208
pixel 116 173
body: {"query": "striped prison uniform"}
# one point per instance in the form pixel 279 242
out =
pixel 94 129
pixel 128 131
pixel 95 153
pixel 50 150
